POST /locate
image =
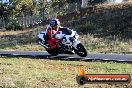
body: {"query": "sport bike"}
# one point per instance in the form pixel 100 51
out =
pixel 68 43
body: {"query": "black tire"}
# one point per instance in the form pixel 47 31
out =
pixel 52 52
pixel 80 50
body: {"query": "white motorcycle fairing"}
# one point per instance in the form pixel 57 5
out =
pixel 66 38
pixel 41 35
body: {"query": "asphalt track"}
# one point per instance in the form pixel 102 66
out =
pixel 45 55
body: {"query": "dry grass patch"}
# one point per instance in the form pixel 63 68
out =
pixel 42 73
pixel 20 40
pixel 106 45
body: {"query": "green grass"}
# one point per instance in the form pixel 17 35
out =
pixel 42 73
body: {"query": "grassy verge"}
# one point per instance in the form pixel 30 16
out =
pixel 20 40
pixel 106 45
pixel 27 41
pixel 41 73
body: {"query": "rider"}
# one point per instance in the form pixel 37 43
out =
pixel 52 28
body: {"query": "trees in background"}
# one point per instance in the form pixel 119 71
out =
pixel 4 13
pixel 22 7
pixel 36 8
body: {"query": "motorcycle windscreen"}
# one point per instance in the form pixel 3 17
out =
pixel 66 31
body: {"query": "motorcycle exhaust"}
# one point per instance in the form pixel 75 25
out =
pixel 43 45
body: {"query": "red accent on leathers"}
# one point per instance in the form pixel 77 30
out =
pixel 52 41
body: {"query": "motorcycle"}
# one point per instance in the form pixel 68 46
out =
pixel 69 43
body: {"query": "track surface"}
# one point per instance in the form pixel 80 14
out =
pixel 102 57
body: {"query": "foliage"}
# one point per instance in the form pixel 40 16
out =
pixel 23 7
pixel 59 3
pixel 97 1
pixel 13 25
pixel 4 10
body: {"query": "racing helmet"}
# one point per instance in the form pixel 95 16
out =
pixel 55 23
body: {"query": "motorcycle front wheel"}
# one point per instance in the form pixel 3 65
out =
pixel 80 50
